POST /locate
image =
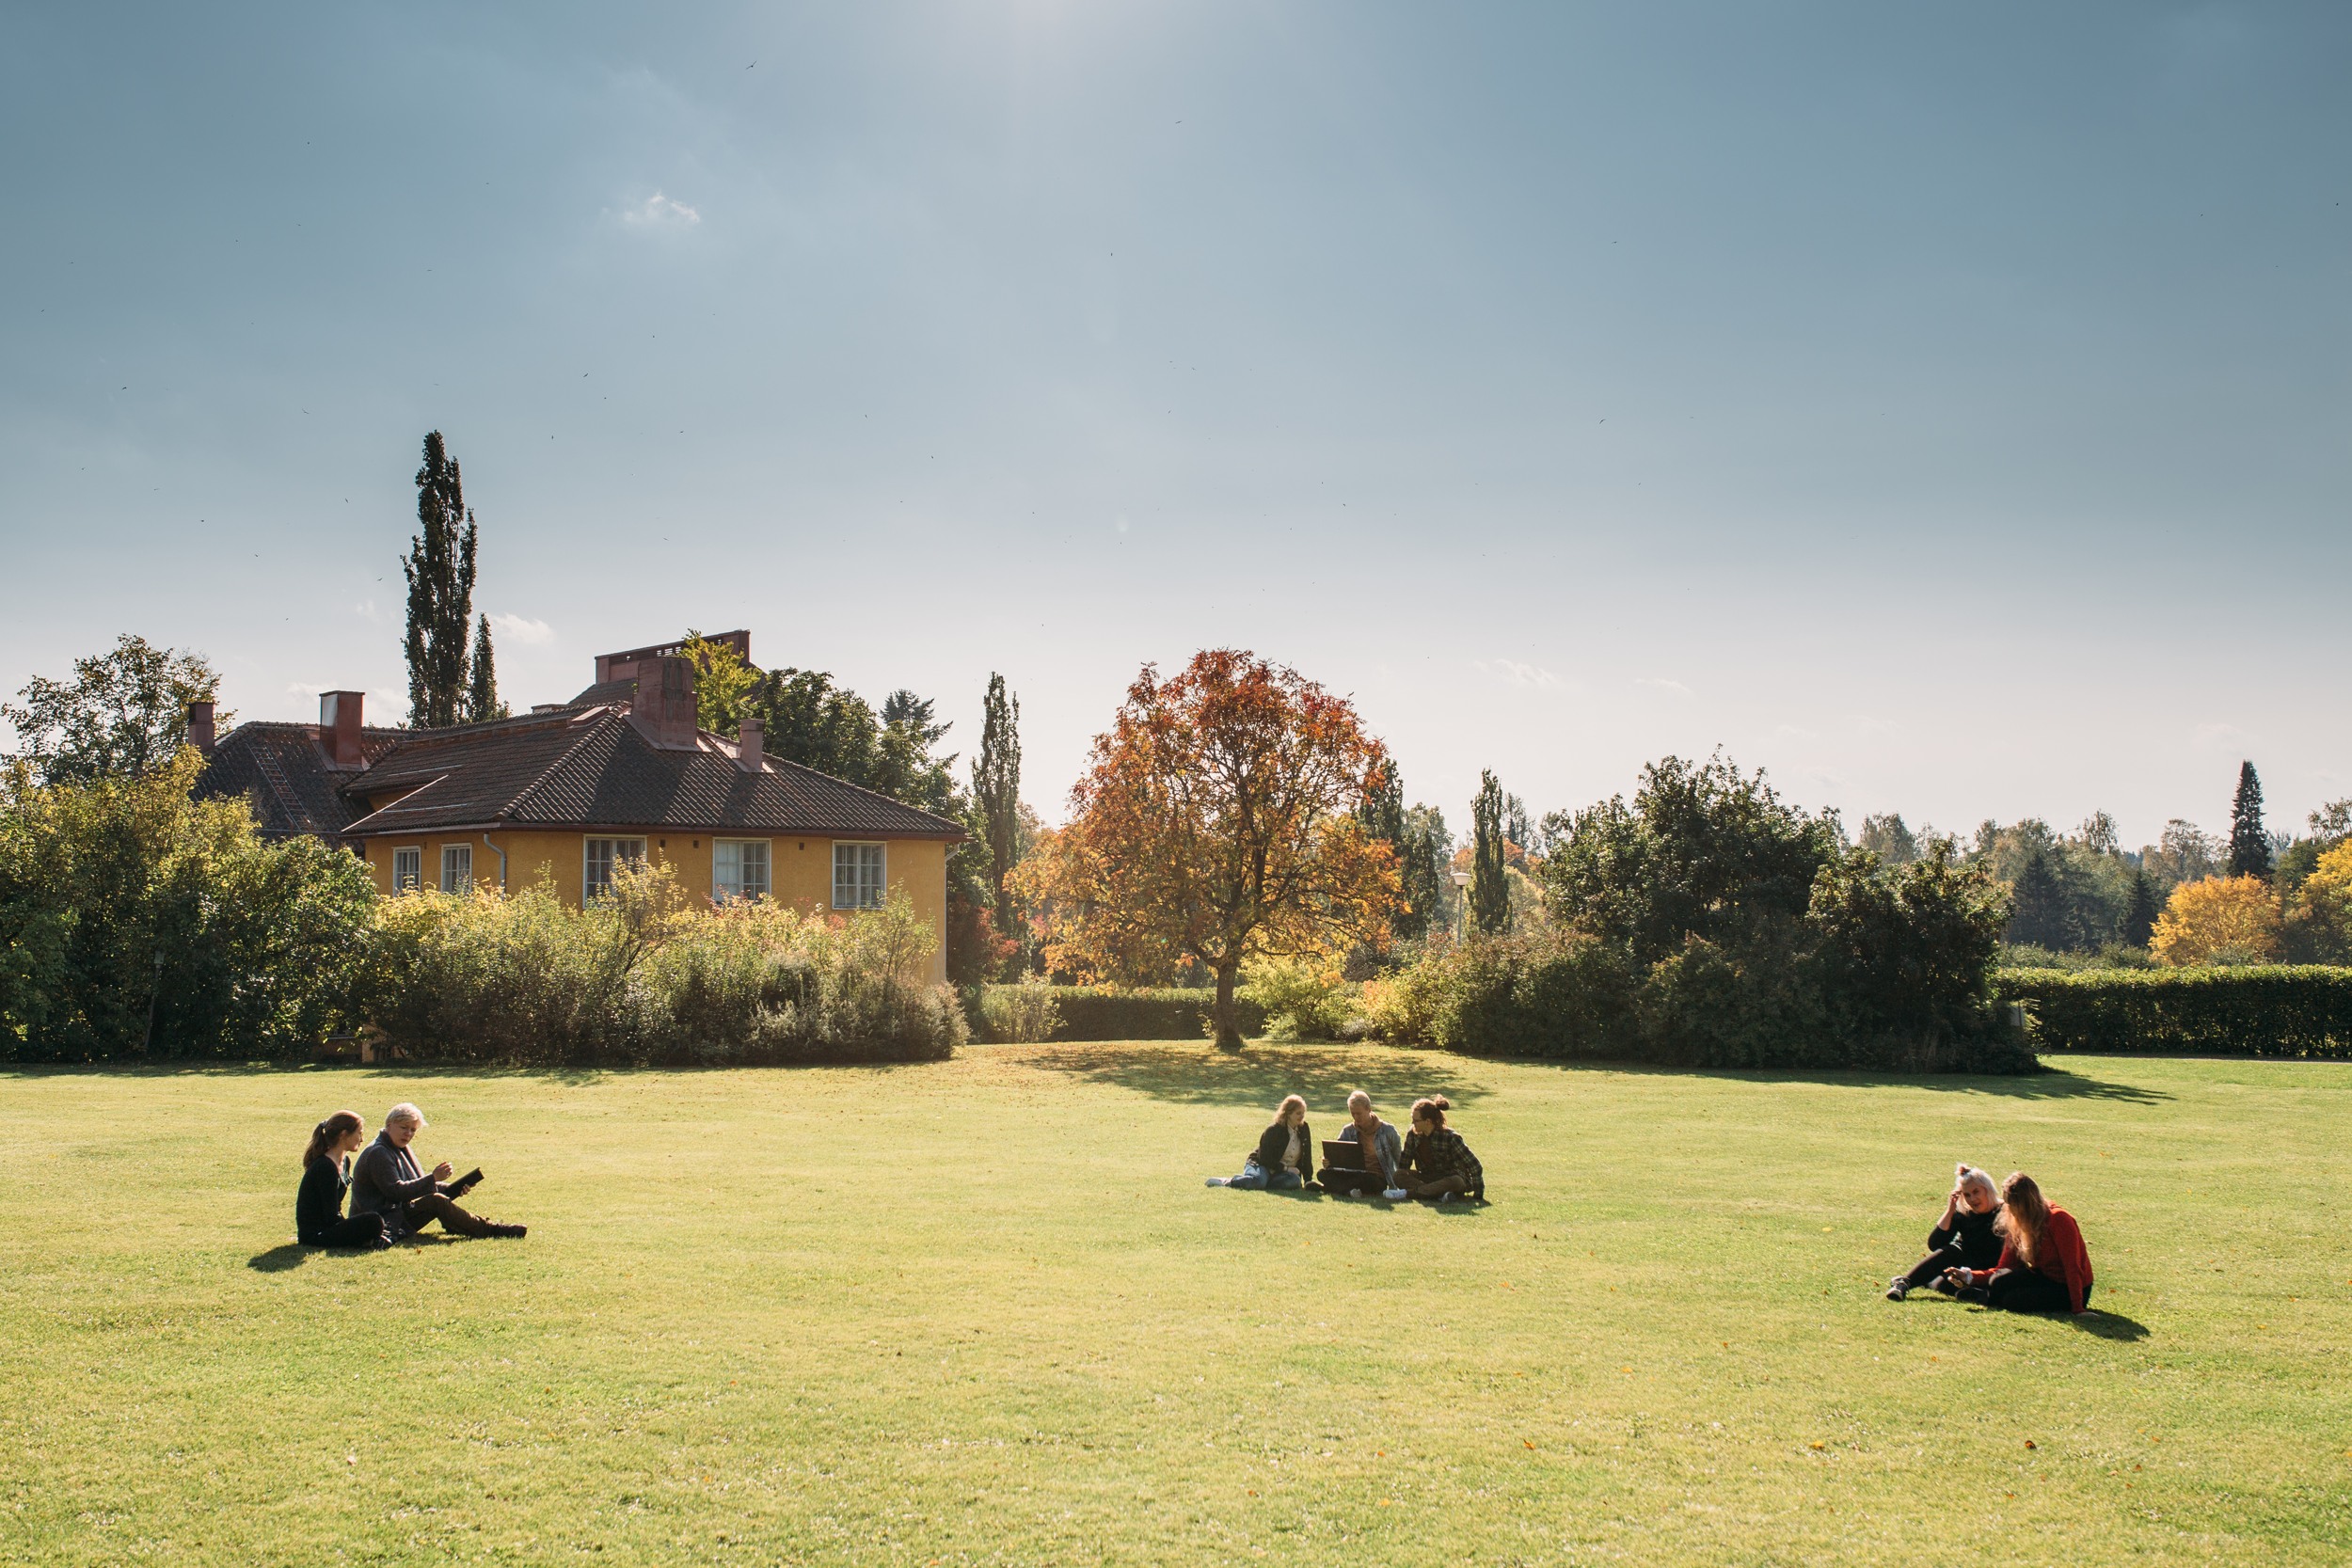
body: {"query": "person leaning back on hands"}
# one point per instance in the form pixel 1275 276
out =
pixel 386 1180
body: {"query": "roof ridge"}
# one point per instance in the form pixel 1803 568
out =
pixel 587 733
pixel 886 799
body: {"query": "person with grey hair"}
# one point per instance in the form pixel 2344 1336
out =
pixel 1384 1149
pixel 386 1180
pixel 1963 1239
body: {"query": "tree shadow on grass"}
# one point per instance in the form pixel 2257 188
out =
pixel 2058 1084
pixel 1194 1075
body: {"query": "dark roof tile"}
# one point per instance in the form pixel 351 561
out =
pixel 281 771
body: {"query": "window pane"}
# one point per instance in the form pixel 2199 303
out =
pixel 456 867
pixel 755 868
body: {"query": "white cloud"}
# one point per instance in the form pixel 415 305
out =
pixel 522 628
pixel 2218 737
pixel 1511 671
pixel 1659 683
pixel 660 212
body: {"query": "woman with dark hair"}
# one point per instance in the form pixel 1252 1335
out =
pixel 1285 1153
pixel 319 1206
pixel 1436 1162
pixel 2042 1266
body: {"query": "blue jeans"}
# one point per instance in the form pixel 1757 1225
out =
pixel 1254 1177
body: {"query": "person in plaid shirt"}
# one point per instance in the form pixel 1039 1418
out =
pixel 1438 1163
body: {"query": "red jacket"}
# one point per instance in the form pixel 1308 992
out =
pixel 2063 1258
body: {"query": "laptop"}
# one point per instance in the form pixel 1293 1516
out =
pixel 1343 1154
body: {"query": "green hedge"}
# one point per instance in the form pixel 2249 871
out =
pixel 2290 1010
pixel 1175 1013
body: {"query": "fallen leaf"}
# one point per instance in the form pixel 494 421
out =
pixel 2029 1442
pixel 1820 1445
pixel 1530 1445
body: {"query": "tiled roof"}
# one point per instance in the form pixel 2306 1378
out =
pixel 605 691
pixel 592 767
pixel 281 769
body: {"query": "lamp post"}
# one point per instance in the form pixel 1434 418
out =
pixel 1461 886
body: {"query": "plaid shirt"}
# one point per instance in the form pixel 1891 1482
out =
pixel 1441 1154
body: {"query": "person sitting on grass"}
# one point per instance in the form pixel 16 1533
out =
pixel 386 1182
pixel 1963 1239
pixel 1285 1153
pixel 1436 1162
pixel 1382 1144
pixel 319 1205
pixel 2042 1266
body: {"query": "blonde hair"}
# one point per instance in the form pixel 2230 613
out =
pixel 1282 1112
pixel 1971 1177
pixel 2025 1217
pixel 403 1112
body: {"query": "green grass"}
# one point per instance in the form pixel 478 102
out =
pixel 985 1311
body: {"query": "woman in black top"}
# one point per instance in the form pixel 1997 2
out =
pixel 1285 1155
pixel 319 1206
pixel 1963 1239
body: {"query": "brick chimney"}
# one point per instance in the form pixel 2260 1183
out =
pixel 751 743
pixel 663 708
pixel 339 728
pixel 201 727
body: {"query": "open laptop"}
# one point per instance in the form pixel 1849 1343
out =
pixel 1343 1154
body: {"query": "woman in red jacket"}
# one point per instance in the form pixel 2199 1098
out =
pixel 2042 1266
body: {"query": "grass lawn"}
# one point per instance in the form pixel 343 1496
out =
pixel 985 1311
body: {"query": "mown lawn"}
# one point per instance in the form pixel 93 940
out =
pixel 985 1311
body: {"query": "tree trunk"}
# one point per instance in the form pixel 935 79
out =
pixel 1228 1025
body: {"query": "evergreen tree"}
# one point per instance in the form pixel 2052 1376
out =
pixel 2249 847
pixel 2140 919
pixel 2039 917
pixel 996 790
pixel 440 568
pixel 1490 889
pixel 482 681
pixel 1515 823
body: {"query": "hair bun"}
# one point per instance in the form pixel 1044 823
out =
pixel 1441 1102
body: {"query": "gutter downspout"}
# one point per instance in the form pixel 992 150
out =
pixel 501 855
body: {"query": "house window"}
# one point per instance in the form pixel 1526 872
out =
pixel 739 868
pixel 857 876
pixel 605 856
pixel 407 870
pixel 457 868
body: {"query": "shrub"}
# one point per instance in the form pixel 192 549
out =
pixel 1301 1000
pixel 2267 1010
pixel 1021 1014
pixel 2319 926
pixel 1107 1013
pixel 2219 920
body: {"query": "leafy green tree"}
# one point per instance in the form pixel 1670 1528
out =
pixel 440 567
pixel 2250 845
pixel 996 794
pixel 1491 886
pixel 1516 828
pixel 482 681
pixel 816 724
pixel 123 713
pixel 1890 839
pixel 724 685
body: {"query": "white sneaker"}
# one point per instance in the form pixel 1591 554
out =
pixel 1395 1195
pixel 1217 1181
pixel 1445 1197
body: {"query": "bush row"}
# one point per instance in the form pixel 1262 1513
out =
pixel 1106 1013
pixel 2290 1010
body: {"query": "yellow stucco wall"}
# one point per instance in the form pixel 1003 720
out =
pixel 800 869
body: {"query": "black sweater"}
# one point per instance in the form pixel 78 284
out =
pixel 1973 1234
pixel 1275 1139
pixel 319 1205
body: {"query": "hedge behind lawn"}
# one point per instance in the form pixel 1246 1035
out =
pixel 1173 1013
pixel 2293 1010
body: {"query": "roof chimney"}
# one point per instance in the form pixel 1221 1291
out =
pixel 339 728
pixel 663 708
pixel 751 744
pixel 200 726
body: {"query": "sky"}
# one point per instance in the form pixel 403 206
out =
pixel 1943 408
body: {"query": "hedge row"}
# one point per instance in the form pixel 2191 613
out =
pixel 1175 1013
pixel 2292 1010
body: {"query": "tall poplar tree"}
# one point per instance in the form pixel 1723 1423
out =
pixel 2249 847
pixel 996 790
pixel 482 681
pixel 1490 888
pixel 440 568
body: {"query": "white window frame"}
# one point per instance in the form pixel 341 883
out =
pixel 590 890
pixel 722 893
pixel 411 877
pixel 457 868
pixel 862 896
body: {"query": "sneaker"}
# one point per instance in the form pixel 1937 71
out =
pixel 1217 1181
pixel 1897 1289
pixel 1445 1197
pixel 1396 1194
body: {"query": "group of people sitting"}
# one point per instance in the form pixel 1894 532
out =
pixel 1368 1156
pixel 390 1196
pixel 2005 1247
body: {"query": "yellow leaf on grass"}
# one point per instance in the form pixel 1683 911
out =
pixel 1820 1445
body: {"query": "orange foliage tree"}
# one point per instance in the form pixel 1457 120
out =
pixel 1217 822
pixel 2226 918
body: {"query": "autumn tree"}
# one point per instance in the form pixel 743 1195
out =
pixel 2250 845
pixel 2221 920
pixel 1216 823
pixel 440 568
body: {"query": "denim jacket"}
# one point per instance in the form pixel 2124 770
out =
pixel 1385 1145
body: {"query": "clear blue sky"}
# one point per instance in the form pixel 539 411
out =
pixel 1945 406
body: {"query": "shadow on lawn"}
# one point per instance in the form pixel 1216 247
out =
pixel 2056 1084
pixel 1193 1075
pixel 2108 1325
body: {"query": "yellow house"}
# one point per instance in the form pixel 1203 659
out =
pixel 570 791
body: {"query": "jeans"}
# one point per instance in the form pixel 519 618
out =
pixel 1255 1178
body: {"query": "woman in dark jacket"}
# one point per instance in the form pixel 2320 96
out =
pixel 1963 1239
pixel 319 1206
pixel 1285 1153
